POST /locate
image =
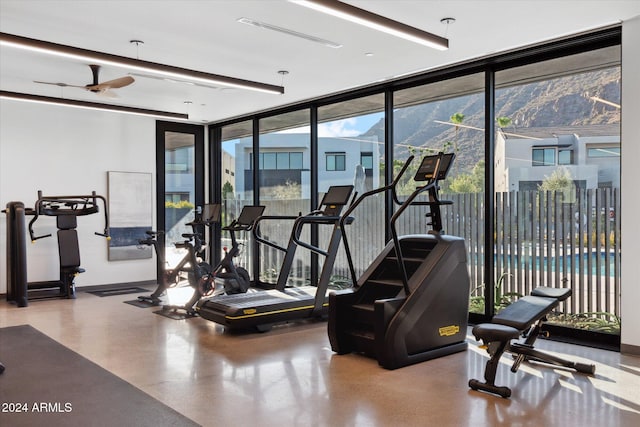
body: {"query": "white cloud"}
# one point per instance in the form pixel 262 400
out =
pixel 338 128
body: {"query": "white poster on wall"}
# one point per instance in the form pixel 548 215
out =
pixel 130 214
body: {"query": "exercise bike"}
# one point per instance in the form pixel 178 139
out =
pixel 228 277
pixel 193 264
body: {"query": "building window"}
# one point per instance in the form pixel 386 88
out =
pixel 179 161
pixel 336 161
pixel 544 156
pixel 295 160
pixel 604 152
pixel 268 160
pixel 366 160
pixel 565 157
pixel 282 160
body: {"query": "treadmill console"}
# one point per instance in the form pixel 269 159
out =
pixel 335 199
pixel 430 165
pixel 249 214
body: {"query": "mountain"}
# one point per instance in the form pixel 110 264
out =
pixel 563 101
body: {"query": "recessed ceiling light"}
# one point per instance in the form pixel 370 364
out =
pixel 368 54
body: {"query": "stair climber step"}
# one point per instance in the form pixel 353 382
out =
pixel 416 260
pixel 363 341
pixel 386 282
pixel 363 313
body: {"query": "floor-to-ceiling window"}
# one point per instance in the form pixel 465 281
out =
pixel 557 184
pixel 351 141
pixel 236 142
pixel 446 116
pixel 284 168
pixel 535 183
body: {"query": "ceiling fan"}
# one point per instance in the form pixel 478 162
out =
pixel 103 88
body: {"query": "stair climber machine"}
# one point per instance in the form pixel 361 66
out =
pixel 264 308
pixel 66 210
pixel 192 270
pixel 411 304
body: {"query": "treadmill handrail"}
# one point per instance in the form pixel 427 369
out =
pixel 316 218
pixel 391 186
pixel 256 229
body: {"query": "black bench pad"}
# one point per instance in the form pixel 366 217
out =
pixel 560 294
pixel 522 313
pixel 489 332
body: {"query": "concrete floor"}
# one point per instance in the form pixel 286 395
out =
pixel 290 377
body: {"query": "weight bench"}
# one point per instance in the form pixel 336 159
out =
pixel 524 317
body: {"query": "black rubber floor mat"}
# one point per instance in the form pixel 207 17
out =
pixel 39 369
pixel 175 314
pixel 118 291
pixel 140 304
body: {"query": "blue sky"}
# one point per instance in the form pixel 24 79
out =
pixel 352 126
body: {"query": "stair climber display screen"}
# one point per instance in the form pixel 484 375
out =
pixel 411 304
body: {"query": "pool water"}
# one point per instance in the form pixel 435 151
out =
pixel 598 261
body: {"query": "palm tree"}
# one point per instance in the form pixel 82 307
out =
pixel 503 122
pixel 456 119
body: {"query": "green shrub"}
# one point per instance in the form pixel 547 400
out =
pixel 179 205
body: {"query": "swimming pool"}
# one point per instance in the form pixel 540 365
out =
pixel 576 264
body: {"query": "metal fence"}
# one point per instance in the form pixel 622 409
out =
pixel 541 239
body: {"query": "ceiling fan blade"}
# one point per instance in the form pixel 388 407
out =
pixel 112 84
pixel 106 93
pixel 58 84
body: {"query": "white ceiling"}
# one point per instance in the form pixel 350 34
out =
pixel 204 35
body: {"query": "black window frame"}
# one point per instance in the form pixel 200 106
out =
pixel 489 65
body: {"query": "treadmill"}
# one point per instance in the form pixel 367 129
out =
pixel 263 308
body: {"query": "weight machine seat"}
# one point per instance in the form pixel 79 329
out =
pixel 69 251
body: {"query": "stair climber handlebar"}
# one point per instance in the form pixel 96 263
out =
pixel 432 169
pixel 347 215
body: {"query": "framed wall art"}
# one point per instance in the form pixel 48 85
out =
pixel 130 214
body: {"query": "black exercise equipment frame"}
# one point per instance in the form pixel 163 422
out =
pixel 397 319
pixel 193 263
pixel 66 209
pixel 272 304
pixel 235 279
pixel 525 317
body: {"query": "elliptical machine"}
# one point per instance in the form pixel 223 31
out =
pixel 198 271
pixel 227 276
